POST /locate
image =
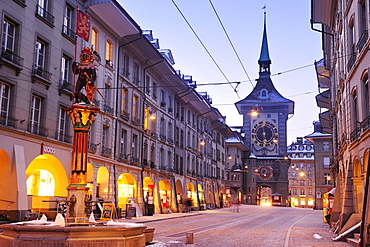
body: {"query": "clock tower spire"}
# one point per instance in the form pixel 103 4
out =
pixel 264 60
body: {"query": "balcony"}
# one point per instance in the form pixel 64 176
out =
pixel 92 147
pixel 96 56
pixel 109 63
pixel 36 129
pixel 107 152
pixel 10 58
pixel 125 72
pixel 365 124
pixel 96 102
pixel 123 157
pixel 60 136
pixel 39 74
pixel 154 135
pixel 69 34
pixel 108 109
pixel 21 2
pixel 355 134
pixel 351 60
pixel 362 41
pixel 45 16
pixel 65 87
pixel 8 121
pixel 135 121
pixel 125 115
pixel 152 164
pixel 134 161
pixel 162 137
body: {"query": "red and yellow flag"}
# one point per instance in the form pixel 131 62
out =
pixel 83 25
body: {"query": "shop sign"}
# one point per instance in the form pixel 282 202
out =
pixel 46 149
pixel 318 194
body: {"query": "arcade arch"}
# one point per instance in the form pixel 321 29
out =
pixel 191 194
pixel 8 180
pixel 126 184
pixel 45 178
pixel 102 187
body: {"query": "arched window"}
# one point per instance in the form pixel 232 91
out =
pixel 94 39
pixel 109 52
pixel 354 109
pixel 366 99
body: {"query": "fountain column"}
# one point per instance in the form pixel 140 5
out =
pixel 82 116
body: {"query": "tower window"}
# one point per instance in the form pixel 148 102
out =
pixel 263 94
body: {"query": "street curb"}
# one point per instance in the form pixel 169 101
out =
pixel 167 218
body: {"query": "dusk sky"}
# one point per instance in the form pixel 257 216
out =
pixel 293 48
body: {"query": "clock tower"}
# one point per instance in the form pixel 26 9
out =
pixel 265 113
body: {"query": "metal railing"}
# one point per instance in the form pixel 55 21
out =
pixel 45 15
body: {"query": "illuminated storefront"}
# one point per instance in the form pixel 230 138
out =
pixel 126 184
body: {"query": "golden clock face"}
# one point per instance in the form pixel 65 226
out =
pixel 264 134
pixel 265 172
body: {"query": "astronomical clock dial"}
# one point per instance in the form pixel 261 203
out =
pixel 265 172
pixel 264 134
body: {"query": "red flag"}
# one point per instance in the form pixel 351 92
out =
pixel 83 25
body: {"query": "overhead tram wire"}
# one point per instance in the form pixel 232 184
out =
pixel 205 48
pixel 231 43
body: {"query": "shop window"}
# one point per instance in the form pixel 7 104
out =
pixel 41 183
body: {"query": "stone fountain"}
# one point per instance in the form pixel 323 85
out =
pixel 76 229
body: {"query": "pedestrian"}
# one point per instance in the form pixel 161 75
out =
pixel 188 205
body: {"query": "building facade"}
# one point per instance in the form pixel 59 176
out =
pixel 301 174
pixel 343 81
pixel 240 171
pixel 155 135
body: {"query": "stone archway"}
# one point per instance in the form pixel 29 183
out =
pixel 8 180
pixel 165 194
pixel 126 184
pixel 102 186
pixel 357 186
pixel 46 180
pixel 191 194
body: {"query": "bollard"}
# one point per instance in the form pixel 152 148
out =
pixel 189 238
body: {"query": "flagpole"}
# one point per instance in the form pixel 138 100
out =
pixel 74 68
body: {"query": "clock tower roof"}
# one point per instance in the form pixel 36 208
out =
pixel 264 93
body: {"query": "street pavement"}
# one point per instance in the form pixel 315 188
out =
pixel 310 230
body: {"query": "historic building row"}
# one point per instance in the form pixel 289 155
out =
pixel 155 135
pixel 344 97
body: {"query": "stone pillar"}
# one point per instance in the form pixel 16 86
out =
pixel 82 116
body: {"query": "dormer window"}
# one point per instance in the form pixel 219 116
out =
pixel 263 94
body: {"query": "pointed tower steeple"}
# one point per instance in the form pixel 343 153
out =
pixel 264 60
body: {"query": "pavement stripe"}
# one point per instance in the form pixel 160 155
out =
pixel 286 243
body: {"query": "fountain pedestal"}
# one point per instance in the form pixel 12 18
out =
pixel 74 236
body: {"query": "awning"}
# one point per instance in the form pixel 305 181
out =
pixel 323 99
pixel 323 75
pixel 115 16
pixel 325 122
pixel 322 11
pixel 332 191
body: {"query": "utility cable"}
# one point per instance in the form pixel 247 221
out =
pixel 205 48
pixel 231 43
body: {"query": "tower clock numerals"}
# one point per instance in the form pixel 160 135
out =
pixel 264 134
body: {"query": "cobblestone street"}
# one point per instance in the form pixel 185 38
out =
pixel 252 226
